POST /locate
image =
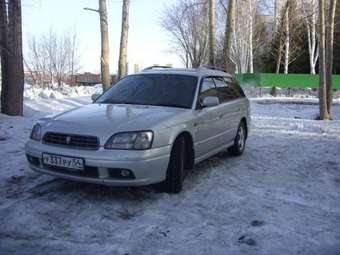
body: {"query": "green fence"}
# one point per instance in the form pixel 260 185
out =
pixel 283 80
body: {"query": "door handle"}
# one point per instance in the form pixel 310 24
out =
pixel 221 116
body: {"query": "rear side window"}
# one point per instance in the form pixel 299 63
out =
pixel 208 89
pixel 225 89
pixel 238 90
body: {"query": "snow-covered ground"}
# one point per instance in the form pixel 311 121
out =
pixel 281 197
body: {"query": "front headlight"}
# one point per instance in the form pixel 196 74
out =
pixel 36 132
pixel 130 141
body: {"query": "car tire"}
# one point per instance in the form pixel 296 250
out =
pixel 175 172
pixel 240 140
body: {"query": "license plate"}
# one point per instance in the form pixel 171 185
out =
pixel 63 162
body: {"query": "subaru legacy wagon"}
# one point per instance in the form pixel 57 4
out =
pixel 149 128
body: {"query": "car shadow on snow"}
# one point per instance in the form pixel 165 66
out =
pixel 90 192
pixel 55 187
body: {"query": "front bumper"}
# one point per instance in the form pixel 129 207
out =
pixel 147 166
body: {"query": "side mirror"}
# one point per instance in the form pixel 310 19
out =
pixel 94 97
pixel 210 102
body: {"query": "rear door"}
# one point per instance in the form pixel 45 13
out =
pixel 231 103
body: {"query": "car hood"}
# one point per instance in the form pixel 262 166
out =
pixel 104 120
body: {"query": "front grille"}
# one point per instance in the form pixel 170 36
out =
pixel 75 141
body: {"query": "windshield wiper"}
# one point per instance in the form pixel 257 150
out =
pixel 116 102
pixel 136 103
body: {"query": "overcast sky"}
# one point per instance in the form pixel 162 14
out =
pixel 148 43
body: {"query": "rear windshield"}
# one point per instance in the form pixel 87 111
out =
pixel 153 89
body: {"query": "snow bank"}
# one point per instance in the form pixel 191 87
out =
pixel 59 92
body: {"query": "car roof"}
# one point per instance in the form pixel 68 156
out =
pixel 201 71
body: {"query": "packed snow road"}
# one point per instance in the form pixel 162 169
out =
pixel 281 197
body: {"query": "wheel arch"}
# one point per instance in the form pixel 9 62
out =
pixel 244 120
pixel 189 148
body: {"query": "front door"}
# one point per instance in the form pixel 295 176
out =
pixel 209 122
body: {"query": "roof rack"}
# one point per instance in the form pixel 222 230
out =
pixel 213 68
pixel 154 67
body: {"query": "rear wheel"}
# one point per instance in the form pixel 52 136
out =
pixel 240 140
pixel 175 173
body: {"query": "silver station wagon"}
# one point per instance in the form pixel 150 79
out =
pixel 148 128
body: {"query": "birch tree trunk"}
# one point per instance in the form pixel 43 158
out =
pixel 322 63
pixel 229 31
pixel 329 54
pixel 15 72
pixel 212 32
pixel 122 63
pixel 3 52
pixel 287 39
pixel 314 49
pixel 104 60
pixel 309 9
pixel 251 27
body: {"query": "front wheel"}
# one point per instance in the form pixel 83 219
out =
pixel 240 141
pixel 175 173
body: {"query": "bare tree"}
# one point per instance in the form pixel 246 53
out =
pixel 37 62
pixel 287 37
pixel 241 44
pixel 104 31
pixel 326 41
pixel 322 62
pixel 276 15
pixel 251 9
pixel 212 32
pixel 122 63
pixel 14 76
pixel 329 53
pixel 3 52
pixel 309 9
pixel 186 22
pixel 243 38
pixel 104 34
pixel 249 36
pixel 52 57
pixel 73 58
pixel 229 31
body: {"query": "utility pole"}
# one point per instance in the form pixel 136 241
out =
pixel 104 31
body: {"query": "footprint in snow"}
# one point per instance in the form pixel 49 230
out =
pixel 257 223
pixel 246 240
pixel 16 179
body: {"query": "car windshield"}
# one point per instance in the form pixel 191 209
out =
pixel 152 89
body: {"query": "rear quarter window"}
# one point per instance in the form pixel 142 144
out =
pixel 236 87
pixel 226 89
